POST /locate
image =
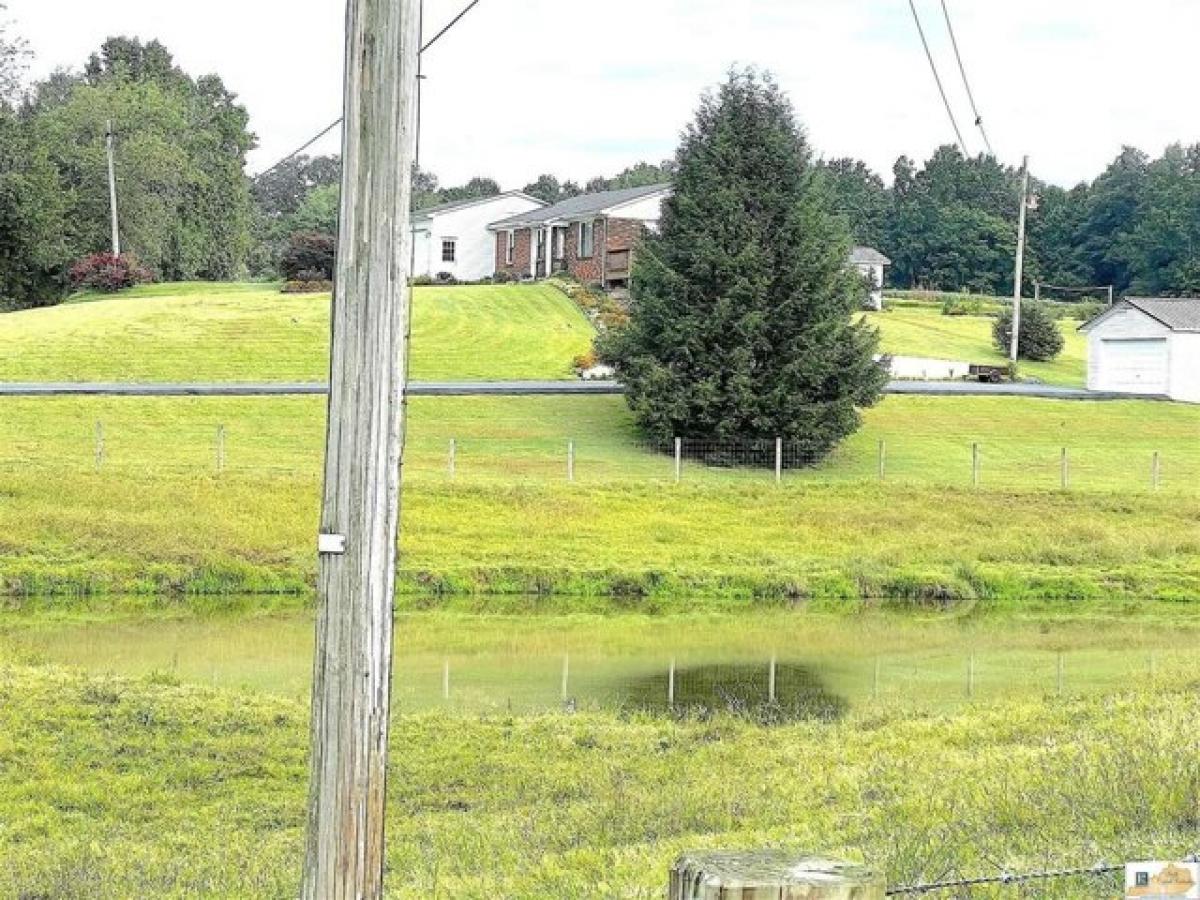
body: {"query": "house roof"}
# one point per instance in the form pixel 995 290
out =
pixel 1176 313
pixel 868 256
pixel 581 206
pixel 430 211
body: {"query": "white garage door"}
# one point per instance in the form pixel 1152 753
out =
pixel 1135 366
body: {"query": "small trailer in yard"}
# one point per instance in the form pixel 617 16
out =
pixel 989 374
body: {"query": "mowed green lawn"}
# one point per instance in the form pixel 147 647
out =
pixel 926 332
pixel 232 332
pixel 158 516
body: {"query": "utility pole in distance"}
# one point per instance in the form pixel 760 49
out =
pixel 1016 316
pixel 352 669
pixel 109 142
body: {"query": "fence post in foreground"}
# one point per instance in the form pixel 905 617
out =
pixel 220 449
pixel 1156 471
pixel 678 460
pixel 1065 466
pixel 453 462
pixel 882 459
pixel 99 446
pixel 762 874
pixel 771 685
pixel 778 460
pixel 975 464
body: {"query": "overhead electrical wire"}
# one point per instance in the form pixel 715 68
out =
pixel 966 82
pixel 938 78
pixel 437 37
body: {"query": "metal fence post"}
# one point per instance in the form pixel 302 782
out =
pixel 882 459
pixel 571 461
pixel 99 446
pixel 678 460
pixel 1066 469
pixel 220 449
pixel 975 464
pixel 453 462
pixel 778 460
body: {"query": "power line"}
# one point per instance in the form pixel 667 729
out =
pixel 966 83
pixel 938 78
pixel 437 37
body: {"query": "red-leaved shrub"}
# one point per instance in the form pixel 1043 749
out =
pixel 105 272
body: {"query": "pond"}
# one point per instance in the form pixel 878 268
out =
pixel 796 663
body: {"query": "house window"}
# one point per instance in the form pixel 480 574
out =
pixel 449 249
pixel 587 239
pixel 510 252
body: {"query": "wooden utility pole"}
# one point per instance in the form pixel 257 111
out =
pixel 352 671
pixel 1016 316
pixel 109 143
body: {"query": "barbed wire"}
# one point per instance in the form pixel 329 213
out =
pixel 1004 878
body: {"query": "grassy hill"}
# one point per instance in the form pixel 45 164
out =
pixel 223 332
pixel 157 515
pixel 910 331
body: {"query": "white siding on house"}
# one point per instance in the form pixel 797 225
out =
pixel 475 250
pixel 875 274
pixel 646 209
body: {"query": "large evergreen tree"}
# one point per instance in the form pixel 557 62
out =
pixel 742 305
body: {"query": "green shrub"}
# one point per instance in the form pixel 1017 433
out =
pixel 963 306
pixel 1041 339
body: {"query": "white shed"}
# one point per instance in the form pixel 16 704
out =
pixel 454 237
pixel 872 265
pixel 1146 346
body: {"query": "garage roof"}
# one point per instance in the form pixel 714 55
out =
pixel 1177 313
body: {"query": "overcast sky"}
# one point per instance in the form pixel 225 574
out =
pixel 581 88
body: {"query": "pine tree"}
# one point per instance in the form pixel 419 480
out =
pixel 742 305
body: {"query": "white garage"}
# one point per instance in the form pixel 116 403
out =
pixel 1148 346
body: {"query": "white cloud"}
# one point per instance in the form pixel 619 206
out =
pixel 581 88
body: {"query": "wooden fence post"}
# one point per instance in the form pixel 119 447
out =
pixel 360 514
pixel 771 681
pixel 220 449
pixel 452 464
pixel 763 874
pixel 445 679
pixel 571 461
pixel 566 677
pixel 671 685
pixel 882 459
pixel 1065 466
pixel 971 675
pixel 778 460
pixel 678 460
pixel 975 465
pixel 1156 470
pixel 875 679
pixel 99 446
pixel 1062 672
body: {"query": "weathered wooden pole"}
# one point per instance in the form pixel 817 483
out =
pixel 352 671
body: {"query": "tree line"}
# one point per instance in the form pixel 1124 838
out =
pixel 190 211
pixel 950 225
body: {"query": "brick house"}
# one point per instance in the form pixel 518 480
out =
pixel 592 237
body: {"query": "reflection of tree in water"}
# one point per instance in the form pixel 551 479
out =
pixel 704 690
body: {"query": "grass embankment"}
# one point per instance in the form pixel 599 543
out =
pixel 235 332
pixel 158 517
pixel 147 788
pixel 924 332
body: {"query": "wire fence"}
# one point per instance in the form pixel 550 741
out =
pixel 116 448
